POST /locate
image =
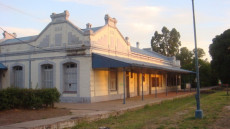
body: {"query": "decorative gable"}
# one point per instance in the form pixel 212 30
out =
pixel 60 32
pixel 109 38
pixel 45 41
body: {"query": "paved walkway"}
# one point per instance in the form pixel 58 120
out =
pixel 95 111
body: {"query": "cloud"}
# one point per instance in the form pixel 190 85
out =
pixel 136 21
pixel 21 32
pixel 142 14
pixel 139 19
pixel 98 2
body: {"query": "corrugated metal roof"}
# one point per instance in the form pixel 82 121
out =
pixel 150 53
pixel 21 39
pixel 2 67
pixel 94 29
pixel 108 61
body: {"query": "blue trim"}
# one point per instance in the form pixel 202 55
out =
pixel 107 61
pixel 3 67
pixel 99 61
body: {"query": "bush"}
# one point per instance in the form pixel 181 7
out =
pixel 28 98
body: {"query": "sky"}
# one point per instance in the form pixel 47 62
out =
pixel 137 19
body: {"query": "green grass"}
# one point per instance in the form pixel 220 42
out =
pixel 178 113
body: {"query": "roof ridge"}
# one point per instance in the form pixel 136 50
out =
pixel 149 53
pixel 157 53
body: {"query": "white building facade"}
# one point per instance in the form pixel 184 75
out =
pixel 85 65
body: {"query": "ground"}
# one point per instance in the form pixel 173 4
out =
pixel 223 121
pixel 20 115
pixel 170 114
pixel 173 114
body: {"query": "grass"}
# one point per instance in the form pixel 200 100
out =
pixel 171 114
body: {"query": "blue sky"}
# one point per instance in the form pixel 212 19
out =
pixel 137 19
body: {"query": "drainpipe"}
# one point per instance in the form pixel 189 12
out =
pixel 30 72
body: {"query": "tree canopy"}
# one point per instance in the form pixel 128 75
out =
pixel 167 43
pixel 200 52
pixel 187 58
pixel 220 52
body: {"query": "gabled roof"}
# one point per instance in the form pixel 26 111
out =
pixel 33 38
pixel 21 39
pixel 94 29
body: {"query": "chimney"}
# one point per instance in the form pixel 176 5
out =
pixel 88 26
pixel 110 21
pixel 137 45
pixel 127 39
pixel 7 35
pixel 15 35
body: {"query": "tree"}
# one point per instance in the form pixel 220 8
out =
pixel 200 52
pixel 186 57
pixel 220 52
pixel 207 76
pixel 167 43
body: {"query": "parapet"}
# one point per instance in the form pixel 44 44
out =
pixel 110 21
pixel 60 17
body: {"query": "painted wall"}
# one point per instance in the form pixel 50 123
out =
pixel 110 40
pixel 100 86
pixel 60 36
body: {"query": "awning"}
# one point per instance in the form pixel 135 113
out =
pixel 108 61
pixel 2 67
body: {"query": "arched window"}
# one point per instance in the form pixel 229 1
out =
pixel 47 76
pixel 70 77
pixel 18 76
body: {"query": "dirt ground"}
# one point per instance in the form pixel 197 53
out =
pixel 19 115
pixel 223 121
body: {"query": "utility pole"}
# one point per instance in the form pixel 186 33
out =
pixel 198 112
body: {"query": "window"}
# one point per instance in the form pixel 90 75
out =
pixel 58 39
pixel 47 76
pixel 70 77
pixel 155 81
pixel 18 76
pixel 113 80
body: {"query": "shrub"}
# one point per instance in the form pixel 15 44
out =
pixel 28 98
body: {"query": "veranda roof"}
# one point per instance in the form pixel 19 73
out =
pixel 108 61
pixel 2 67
